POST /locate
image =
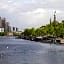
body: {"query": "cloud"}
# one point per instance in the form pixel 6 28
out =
pixel 31 13
pixel 37 17
pixel 10 1
pixel 9 6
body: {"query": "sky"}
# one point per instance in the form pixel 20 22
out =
pixel 31 13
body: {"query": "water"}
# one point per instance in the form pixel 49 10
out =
pixel 18 51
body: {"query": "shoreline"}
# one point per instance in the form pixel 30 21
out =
pixel 57 41
pixel 50 40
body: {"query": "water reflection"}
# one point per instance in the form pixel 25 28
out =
pixel 30 52
pixel 3 58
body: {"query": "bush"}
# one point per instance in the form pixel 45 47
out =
pixel 16 34
pixel 3 33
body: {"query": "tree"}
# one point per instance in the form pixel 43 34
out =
pixel 32 30
pixel 29 32
pixel 55 29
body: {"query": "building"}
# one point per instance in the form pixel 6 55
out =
pixel 3 23
pixel 1 29
pixel 0 23
pixel 5 26
pixel 9 28
pixel 13 29
pixel 16 29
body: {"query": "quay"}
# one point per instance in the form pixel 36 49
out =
pixel 43 39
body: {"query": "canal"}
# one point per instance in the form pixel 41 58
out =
pixel 18 51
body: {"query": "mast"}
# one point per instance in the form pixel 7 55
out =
pixel 50 21
pixel 55 16
pixel 55 27
pixel 55 23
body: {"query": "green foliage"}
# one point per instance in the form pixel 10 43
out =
pixel 3 33
pixel 27 32
pixel 32 30
pixel 53 29
pixel 40 31
pixel 16 34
